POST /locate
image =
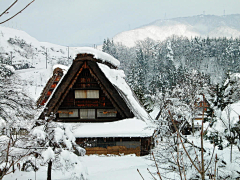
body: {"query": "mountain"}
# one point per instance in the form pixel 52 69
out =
pixel 201 25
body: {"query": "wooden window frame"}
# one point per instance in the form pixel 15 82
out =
pixel 111 112
pixel 86 94
pixel 64 111
pixel 95 117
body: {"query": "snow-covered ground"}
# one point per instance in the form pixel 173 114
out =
pixel 98 168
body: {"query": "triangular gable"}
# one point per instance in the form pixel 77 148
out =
pixel 116 77
pixel 84 61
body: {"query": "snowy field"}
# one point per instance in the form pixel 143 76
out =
pixel 98 168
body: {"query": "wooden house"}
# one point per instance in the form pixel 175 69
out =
pixel 201 106
pixel 105 114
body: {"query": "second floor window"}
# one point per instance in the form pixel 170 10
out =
pixel 86 94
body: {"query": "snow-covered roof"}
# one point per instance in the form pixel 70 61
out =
pixel 116 77
pixel 96 54
pixel 140 126
pixel 200 97
pixel 123 128
pixel 63 67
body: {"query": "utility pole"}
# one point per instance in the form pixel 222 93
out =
pixel 35 166
pixel 68 56
pixel 11 57
pixel 46 58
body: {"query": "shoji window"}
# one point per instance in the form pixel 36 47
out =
pixel 106 113
pixel 65 113
pixel 87 113
pixel 89 94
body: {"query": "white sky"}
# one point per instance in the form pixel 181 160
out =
pixel 77 22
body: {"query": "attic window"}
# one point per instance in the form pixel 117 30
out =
pixel 86 94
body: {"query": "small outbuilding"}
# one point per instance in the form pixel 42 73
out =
pixel 93 96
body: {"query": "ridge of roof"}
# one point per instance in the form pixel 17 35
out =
pixel 97 54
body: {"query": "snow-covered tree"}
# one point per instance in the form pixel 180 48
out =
pixel 59 148
pixel 16 115
pixel 109 47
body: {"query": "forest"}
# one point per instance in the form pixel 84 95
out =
pixel 172 78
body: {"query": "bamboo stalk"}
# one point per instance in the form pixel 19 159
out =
pixel 183 168
pixel 179 168
pixel 215 169
pixel 158 172
pixel 183 144
pixel 140 174
pixel 151 174
pixel 202 155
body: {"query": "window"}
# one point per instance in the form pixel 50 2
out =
pixel 87 113
pixel 106 113
pixel 89 94
pixel 65 113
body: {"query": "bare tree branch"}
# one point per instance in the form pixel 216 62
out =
pixel 16 13
pixel 9 8
pixel 183 144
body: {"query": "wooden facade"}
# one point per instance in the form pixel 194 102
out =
pixel 201 107
pixel 85 95
pixel 116 145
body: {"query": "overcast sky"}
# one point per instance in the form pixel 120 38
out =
pixel 76 22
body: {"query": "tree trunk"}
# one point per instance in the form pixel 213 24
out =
pixel 49 172
pixel 202 154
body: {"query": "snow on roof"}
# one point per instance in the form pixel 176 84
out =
pixel 64 68
pixel 116 77
pixel 96 54
pixel 200 97
pixel 124 128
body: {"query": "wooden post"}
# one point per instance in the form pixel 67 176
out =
pixel 49 171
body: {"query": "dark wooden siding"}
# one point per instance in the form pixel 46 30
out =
pixel 86 81
pixel 85 75
pixel 136 145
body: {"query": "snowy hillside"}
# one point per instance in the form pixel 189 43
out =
pixel 26 49
pixel 204 26
pixel 34 59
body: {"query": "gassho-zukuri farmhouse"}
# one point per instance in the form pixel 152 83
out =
pixel 104 112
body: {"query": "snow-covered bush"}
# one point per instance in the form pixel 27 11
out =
pixel 59 150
